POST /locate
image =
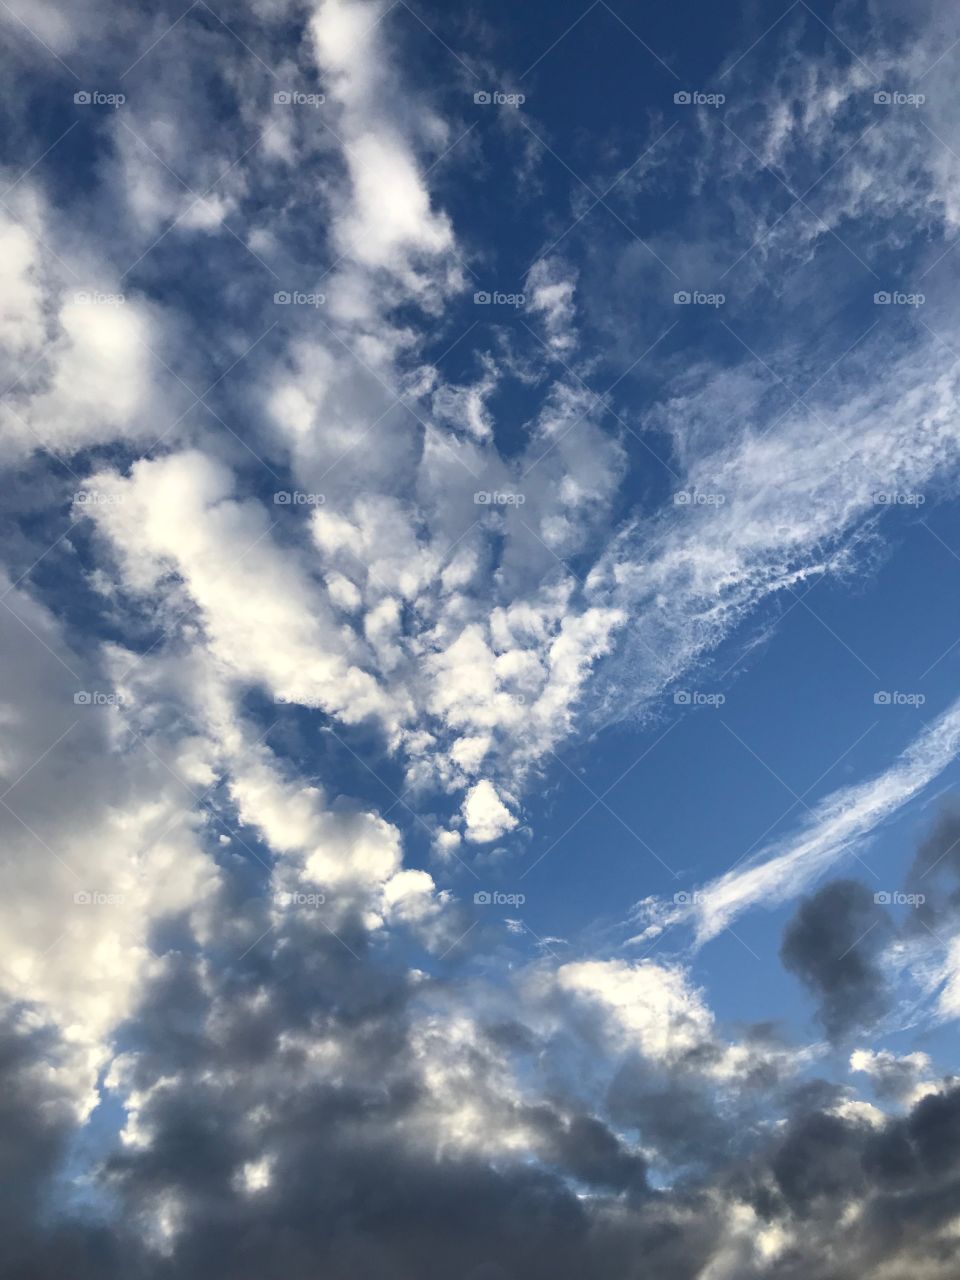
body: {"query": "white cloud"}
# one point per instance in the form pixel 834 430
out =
pixel 905 1078
pixel 99 839
pixel 656 1010
pixel 550 289
pixel 387 222
pixel 485 814
pixel 769 506
pixel 779 872
pixel 650 1005
pixel 265 617
pixel 74 348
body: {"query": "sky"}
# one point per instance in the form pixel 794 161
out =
pixel 479 564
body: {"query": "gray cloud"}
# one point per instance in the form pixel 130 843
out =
pixel 833 943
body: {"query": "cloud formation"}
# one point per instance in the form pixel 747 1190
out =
pixel 316 550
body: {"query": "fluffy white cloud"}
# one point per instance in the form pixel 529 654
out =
pixel 265 617
pixel 485 814
pixel 649 1005
pixel 100 844
pixel 387 222
pixel 74 348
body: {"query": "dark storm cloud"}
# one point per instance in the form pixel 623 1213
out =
pixel 940 851
pixel 360 1187
pixel 360 1190
pixel 36 1129
pixel 936 873
pixel 675 1116
pixel 308 1055
pixel 818 1163
pixel 833 944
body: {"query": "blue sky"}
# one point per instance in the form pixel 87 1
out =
pixel 480 614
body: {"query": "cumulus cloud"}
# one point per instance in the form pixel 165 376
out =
pixel 485 814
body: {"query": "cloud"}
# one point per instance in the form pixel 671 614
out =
pixel 387 221
pixel 244 1033
pixel 485 814
pixel 766 513
pixel 833 944
pixel 904 1079
pixel 551 288
pixel 265 618
pixel 75 348
pixel 775 874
